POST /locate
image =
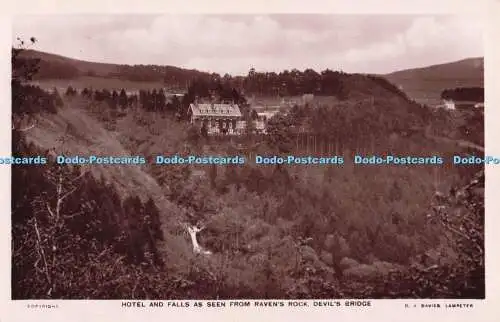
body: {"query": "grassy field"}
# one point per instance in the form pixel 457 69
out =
pixel 428 91
pixel 426 84
pixel 98 83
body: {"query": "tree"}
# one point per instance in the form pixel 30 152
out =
pixel 152 229
pixel 86 93
pixel 26 99
pixel 161 100
pixel 70 91
pixel 23 68
pixel 122 99
pixel 176 105
pixel 213 175
pixel 135 240
pixel 204 131
pixel 57 98
pixel 279 133
pixel 193 135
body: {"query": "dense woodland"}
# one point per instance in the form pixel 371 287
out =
pixel 275 232
pixel 286 83
pixel 472 94
pixel 65 222
pixel 67 227
pixel 156 100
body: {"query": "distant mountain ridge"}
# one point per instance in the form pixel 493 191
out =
pixel 425 84
pixel 464 68
pixel 59 71
pixel 100 69
pixel 53 66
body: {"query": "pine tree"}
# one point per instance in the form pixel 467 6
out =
pixel 57 98
pixel 123 100
pixel 136 238
pixel 152 229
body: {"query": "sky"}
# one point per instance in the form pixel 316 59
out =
pixel 235 43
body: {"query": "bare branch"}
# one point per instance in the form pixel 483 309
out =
pixel 18 122
pixel 79 177
pixel 50 210
pixel 453 230
pixel 102 253
pixel 27 128
pixel 430 268
pixel 59 191
pixel 74 215
pixel 60 198
pixel 42 252
pixel 68 193
pixel 135 287
pixel 119 259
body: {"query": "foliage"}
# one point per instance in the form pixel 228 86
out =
pixel 70 230
pixel 274 231
pixel 279 132
pixel 475 94
pixel 28 100
pixel 70 91
pixel 23 68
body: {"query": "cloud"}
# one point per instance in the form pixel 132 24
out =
pixel 234 43
pixel 427 41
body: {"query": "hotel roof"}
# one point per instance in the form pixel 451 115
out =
pixel 227 110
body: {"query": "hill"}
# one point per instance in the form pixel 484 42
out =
pixel 426 84
pixel 293 231
pixel 73 132
pixel 60 71
pixel 98 69
pixel 57 67
pixel 423 84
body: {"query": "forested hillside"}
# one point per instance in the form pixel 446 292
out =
pixel 272 231
pixel 286 83
pixel 474 94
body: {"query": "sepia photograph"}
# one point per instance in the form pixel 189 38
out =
pixel 247 156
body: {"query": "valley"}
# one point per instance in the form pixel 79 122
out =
pixel 241 231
